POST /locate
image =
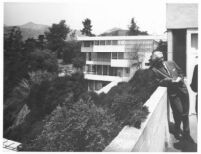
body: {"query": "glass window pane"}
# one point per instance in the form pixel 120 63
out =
pixel 86 44
pixel 99 69
pixel 194 41
pixel 108 42
pixel 114 55
pixel 114 42
pixel 102 42
pixel 120 55
pixel 96 43
pixel 104 70
pixel 89 56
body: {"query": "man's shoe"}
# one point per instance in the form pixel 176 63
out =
pixel 187 137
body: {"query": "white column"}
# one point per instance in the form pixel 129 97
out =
pixel 170 45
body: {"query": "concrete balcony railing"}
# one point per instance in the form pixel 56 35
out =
pixel 92 76
pixel 104 48
pixel 98 62
pixel 122 62
pixel 153 136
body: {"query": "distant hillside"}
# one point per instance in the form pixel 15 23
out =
pixel 29 30
pixel 32 30
pixel 115 32
pixel 120 32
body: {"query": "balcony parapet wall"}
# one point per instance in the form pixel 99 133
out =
pixel 154 132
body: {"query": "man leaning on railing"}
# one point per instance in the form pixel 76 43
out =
pixel 170 75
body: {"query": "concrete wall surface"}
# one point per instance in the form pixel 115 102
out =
pixel 154 132
pixel 181 15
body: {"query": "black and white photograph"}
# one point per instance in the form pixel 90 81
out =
pixel 100 76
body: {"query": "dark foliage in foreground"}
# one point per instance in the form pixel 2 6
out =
pixel 93 121
pixel 43 98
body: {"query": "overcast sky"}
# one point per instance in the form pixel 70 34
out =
pixel 104 14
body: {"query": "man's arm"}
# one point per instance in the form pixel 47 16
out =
pixel 179 70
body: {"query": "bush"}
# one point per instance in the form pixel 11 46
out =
pixel 82 127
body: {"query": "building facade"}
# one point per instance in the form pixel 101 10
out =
pixel 115 58
pixel 182 35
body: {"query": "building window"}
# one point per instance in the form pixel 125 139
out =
pixel 96 42
pixel 99 69
pixel 127 70
pixel 114 42
pixel 102 42
pixel 120 55
pixel 108 42
pixel 105 70
pixel 114 55
pixel 120 72
pixel 89 56
pixel 87 44
pixel 194 41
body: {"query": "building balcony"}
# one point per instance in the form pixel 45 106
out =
pixel 98 62
pixel 86 49
pixel 122 62
pixel 93 76
pixel 104 48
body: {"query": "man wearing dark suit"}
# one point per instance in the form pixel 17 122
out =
pixel 170 75
pixel 194 85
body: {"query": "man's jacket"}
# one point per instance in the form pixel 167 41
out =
pixel 165 77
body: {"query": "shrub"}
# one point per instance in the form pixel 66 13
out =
pixel 82 127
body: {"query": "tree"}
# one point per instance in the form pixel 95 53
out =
pixel 134 29
pixel 71 50
pixel 56 37
pixel 78 62
pixel 42 60
pixel 87 30
pixel 30 45
pixel 15 60
pixel 41 42
pixel 81 126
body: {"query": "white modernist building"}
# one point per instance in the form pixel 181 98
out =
pixel 115 58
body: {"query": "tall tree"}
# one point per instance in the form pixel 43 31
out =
pixel 15 64
pixel 41 42
pixel 87 30
pixel 134 29
pixel 56 37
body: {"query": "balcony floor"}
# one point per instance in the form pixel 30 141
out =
pixel 182 145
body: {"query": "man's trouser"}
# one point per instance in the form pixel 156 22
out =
pixel 180 107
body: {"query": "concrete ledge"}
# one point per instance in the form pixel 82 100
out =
pixel 154 132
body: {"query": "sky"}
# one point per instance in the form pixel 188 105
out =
pixel 104 14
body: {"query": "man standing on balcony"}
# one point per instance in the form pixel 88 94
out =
pixel 170 75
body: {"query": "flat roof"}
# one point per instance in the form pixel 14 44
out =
pixel 181 15
pixel 139 37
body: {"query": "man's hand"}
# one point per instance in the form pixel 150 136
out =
pixel 165 81
pixel 177 80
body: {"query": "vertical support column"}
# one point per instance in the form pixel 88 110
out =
pixel 170 45
pixel 102 69
pixel 94 85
